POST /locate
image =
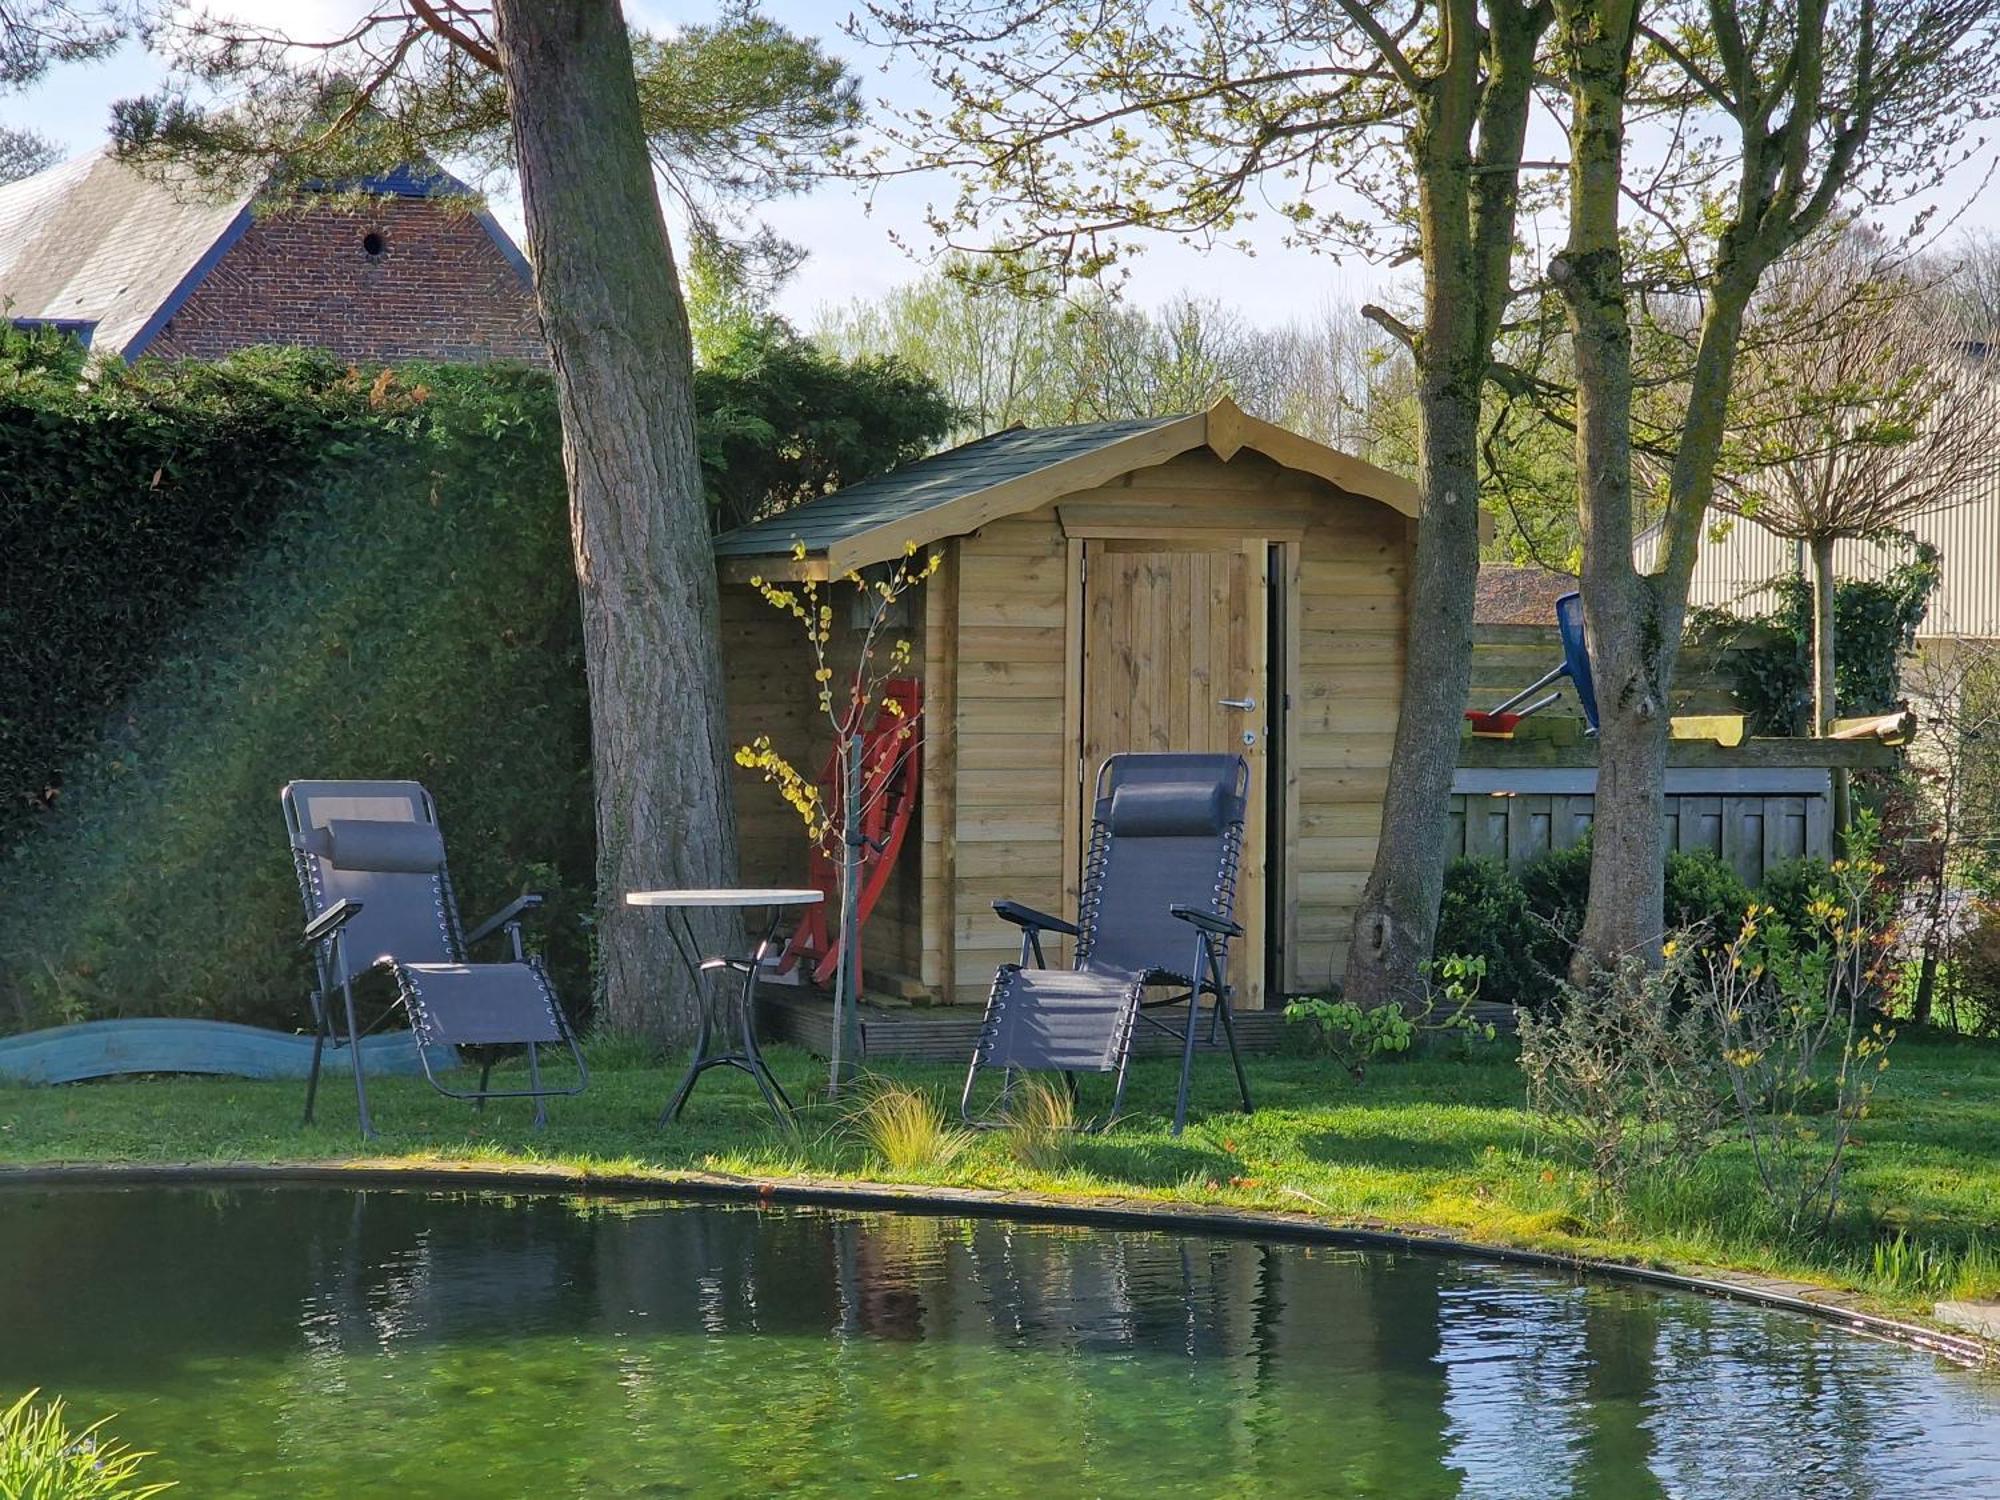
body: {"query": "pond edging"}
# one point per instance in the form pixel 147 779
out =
pixel 1826 1304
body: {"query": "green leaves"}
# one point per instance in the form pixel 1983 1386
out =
pixel 780 422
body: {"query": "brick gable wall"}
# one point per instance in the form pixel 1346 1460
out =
pixel 437 288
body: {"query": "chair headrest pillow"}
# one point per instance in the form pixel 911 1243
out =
pixel 1168 809
pixel 382 847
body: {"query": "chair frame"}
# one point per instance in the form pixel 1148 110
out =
pixel 325 937
pixel 1207 975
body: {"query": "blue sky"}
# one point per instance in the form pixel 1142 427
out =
pixel 854 245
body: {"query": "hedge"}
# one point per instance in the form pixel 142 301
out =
pixel 1524 923
pixel 333 576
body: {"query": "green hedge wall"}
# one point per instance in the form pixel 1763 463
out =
pixel 334 576
pixel 123 498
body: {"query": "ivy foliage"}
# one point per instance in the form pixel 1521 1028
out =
pixel 384 590
pixel 1769 657
pixel 782 422
pixel 218 578
pixel 124 496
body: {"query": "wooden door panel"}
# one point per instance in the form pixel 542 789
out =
pixel 1169 631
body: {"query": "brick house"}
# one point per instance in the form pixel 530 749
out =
pixel 406 266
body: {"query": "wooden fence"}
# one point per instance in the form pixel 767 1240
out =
pixel 1752 820
pixel 1506 658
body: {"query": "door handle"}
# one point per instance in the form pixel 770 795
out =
pixel 1247 705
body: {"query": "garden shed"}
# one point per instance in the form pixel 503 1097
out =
pixel 1202 582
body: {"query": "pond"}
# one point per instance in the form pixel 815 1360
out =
pixel 305 1342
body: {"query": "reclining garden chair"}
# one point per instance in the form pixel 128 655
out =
pixel 371 868
pixel 1159 888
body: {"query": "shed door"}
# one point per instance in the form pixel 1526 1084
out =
pixel 1170 633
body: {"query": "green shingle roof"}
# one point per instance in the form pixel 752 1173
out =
pixel 929 482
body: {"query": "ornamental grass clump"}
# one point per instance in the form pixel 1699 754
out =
pixel 906 1129
pixel 41 1458
pixel 1041 1123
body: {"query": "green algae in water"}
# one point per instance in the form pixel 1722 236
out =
pixel 306 1342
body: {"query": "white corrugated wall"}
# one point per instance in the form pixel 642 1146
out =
pixel 1732 573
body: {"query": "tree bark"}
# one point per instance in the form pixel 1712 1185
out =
pixel 1466 153
pixel 1825 707
pixel 617 331
pixel 1630 641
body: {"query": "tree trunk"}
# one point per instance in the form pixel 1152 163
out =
pixel 1631 643
pixel 1467 155
pixel 1825 707
pixel 1396 921
pixel 617 332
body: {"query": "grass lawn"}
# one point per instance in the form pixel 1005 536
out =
pixel 1442 1143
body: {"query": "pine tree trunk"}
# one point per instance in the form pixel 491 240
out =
pixel 617 332
pixel 1825 708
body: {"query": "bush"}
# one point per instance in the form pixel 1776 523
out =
pixel 1788 889
pixel 1790 1013
pixel 1704 895
pixel 1485 913
pixel 1623 1075
pixel 1525 926
pixel 413 614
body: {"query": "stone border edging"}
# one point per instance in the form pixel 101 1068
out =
pixel 1802 1298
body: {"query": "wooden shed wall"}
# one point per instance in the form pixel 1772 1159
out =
pixel 1004 681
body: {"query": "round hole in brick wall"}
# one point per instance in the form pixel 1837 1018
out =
pixel 372 242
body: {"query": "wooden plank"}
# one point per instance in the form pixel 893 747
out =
pixel 940 799
pixel 1752 754
pixel 1290 562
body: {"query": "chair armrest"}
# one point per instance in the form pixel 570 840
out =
pixel 504 918
pixel 1034 921
pixel 330 921
pixel 1207 921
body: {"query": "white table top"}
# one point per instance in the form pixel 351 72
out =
pixel 745 896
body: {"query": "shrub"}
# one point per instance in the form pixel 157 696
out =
pixel 906 1129
pixel 42 1458
pixel 1525 947
pixel 1788 888
pixel 1704 895
pixel 413 615
pixel 1875 621
pixel 1485 914
pixel 1790 1013
pixel 1623 1076
pixel 1977 981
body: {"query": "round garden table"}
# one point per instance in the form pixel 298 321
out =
pixel 677 905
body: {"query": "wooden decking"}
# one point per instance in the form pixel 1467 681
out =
pixel 945 1033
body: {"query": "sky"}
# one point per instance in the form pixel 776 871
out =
pixel 858 249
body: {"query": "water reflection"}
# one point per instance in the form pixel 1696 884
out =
pixel 575 1346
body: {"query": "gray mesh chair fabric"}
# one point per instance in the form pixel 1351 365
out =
pixel 1158 896
pixel 377 892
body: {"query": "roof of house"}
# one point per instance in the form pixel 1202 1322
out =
pixel 1510 595
pixel 111 252
pixel 958 491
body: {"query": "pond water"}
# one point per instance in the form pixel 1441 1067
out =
pixel 305 1342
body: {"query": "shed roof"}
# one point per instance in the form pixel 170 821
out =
pixel 963 488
